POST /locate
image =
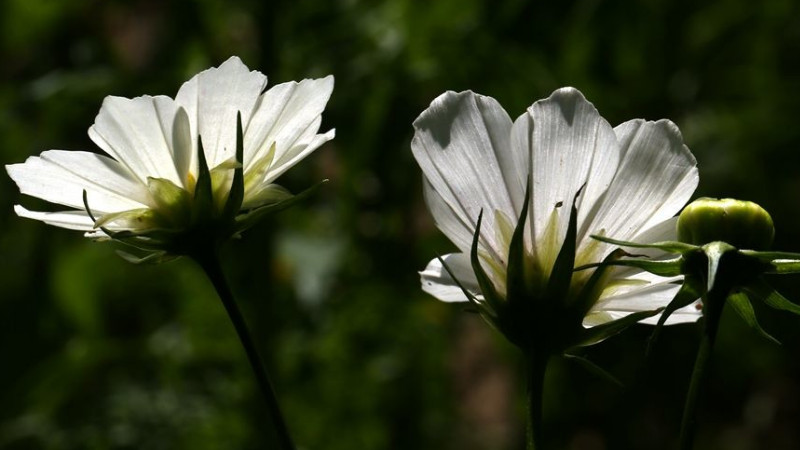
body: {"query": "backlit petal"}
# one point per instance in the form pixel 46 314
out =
pixel 461 142
pixel 438 282
pixel 60 176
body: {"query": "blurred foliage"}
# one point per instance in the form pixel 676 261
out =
pixel 100 354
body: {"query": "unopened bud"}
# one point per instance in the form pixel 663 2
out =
pixel 742 224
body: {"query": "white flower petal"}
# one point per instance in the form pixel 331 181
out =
pixel 438 283
pixel 657 176
pixel 60 176
pixel 646 297
pixel 73 220
pixel 139 134
pixel 461 143
pixel 288 115
pixel 571 146
pixel 212 100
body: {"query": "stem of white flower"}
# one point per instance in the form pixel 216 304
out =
pixel 713 304
pixel 537 365
pixel 209 261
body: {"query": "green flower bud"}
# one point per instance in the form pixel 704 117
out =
pixel 740 223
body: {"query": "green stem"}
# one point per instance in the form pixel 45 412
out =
pixel 714 306
pixel 209 261
pixel 537 365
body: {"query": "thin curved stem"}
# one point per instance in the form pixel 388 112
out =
pixel 209 261
pixel 537 365
pixel 715 304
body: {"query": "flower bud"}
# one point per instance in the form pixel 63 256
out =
pixel 740 223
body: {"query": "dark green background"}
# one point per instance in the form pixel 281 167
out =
pixel 96 353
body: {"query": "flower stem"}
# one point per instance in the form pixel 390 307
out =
pixel 714 306
pixel 209 261
pixel 537 365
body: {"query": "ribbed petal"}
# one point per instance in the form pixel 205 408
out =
pixel 288 115
pixel 461 143
pixel 438 283
pixel 655 180
pixel 212 100
pixel 571 146
pixel 73 220
pixel 646 298
pixel 60 176
pixel 139 134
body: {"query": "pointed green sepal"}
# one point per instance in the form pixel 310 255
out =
pixel 588 294
pixel 665 268
pixel 252 217
pixel 687 294
pixel 234 202
pixel 151 258
pixel 203 192
pixel 594 369
pixel 667 246
pixel 591 336
pixel 515 279
pixel 741 304
pixel 760 290
pixel 561 274
pixel 485 283
pixel 478 306
pixel 783 266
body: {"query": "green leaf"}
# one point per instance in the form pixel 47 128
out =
pixel 485 283
pixel 515 278
pixel 687 295
pixel 764 292
pixel 591 336
pixel 564 265
pixel 594 368
pixel 741 304
pixel 667 246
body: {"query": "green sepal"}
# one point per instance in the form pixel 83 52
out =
pixel 203 191
pixel 665 268
pixel 594 369
pixel 234 202
pixel 667 246
pixel 770 256
pixel 150 258
pixel 479 307
pixel 714 252
pixel 487 287
pixel 591 336
pixel 741 304
pixel 760 290
pixel 516 285
pixel 250 218
pixel 564 265
pixel 587 296
pixel 687 294
pixel 172 201
pixel 783 266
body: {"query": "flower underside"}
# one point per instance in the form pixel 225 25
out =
pixel 207 211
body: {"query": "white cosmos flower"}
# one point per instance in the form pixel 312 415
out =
pixel 630 180
pixel 148 179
